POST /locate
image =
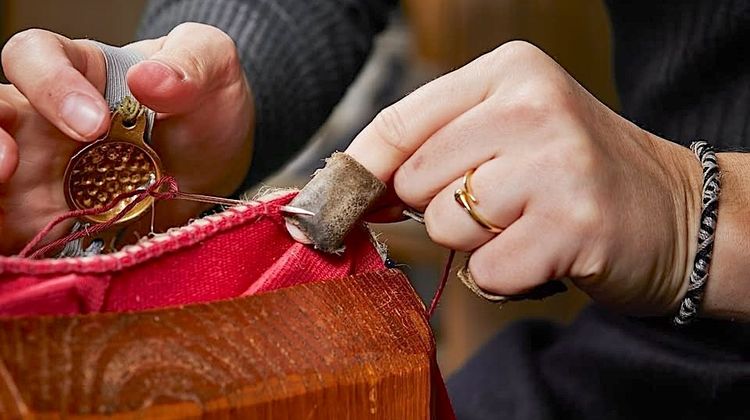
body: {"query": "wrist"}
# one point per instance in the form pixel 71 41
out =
pixel 683 173
pixel 727 291
pixel 727 294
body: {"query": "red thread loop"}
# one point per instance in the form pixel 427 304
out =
pixel 164 189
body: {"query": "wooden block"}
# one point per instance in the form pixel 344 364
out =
pixel 358 347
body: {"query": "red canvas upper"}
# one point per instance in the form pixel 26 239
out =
pixel 242 251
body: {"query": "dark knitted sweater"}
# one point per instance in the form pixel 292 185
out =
pixel 683 67
pixel 683 72
pixel 299 55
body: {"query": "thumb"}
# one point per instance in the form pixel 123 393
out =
pixel 62 79
pixel 190 63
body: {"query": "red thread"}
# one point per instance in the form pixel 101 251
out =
pixel 154 190
pixel 441 285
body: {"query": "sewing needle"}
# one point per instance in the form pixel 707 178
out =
pixel 296 210
pixel 232 202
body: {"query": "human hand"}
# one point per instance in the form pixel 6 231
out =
pixel 32 161
pixel 579 191
pixel 192 78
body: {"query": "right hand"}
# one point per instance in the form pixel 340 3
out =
pixel 576 190
pixel 192 78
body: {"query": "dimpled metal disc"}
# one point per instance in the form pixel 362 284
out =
pixel 103 170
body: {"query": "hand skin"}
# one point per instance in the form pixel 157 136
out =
pixel 728 288
pixel 192 78
pixel 581 192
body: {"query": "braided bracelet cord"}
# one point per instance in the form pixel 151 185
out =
pixel 709 212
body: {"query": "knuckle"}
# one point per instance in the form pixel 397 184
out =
pixel 405 188
pixel 585 216
pixel 390 129
pixel 232 61
pixel 544 90
pixel 546 94
pixel 20 42
pixel 437 228
pixel 193 28
pixel 27 37
pixel 191 63
pixel 213 35
pixel 194 62
pixel 216 40
pixel 482 273
pixel 503 277
pixel 223 40
pixel 536 102
pixel 518 48
pixel 529 110
pixel 445 224
pixel 512 52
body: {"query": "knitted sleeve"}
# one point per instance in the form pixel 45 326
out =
pixel 299 56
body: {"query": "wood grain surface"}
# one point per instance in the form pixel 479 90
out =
pixel 358 347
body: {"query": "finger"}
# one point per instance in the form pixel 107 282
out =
pixel 51 71
pixel 387 209
pixel 391 214
pixel 525 255
pixel 462 144
pixel 449 225
pixel 397 131
pixel 190 63
pixel 8 156
pixel 501 200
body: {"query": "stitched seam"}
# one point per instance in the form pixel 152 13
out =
pixel 172 240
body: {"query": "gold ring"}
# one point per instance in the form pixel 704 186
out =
pixel 466 199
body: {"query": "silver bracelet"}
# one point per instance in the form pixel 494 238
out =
pixel 709 212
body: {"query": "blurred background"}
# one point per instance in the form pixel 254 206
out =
pixel 425 39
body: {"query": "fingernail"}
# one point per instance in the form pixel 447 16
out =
pixel 164 73
pixel 168 70
pixel 297 234
pixel 161 77
pixel 81 114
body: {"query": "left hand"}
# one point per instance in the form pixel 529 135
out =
pixel 193 79
pixel 580 192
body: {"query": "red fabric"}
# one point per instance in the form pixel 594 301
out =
pixel 242 251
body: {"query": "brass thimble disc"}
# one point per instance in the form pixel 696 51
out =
pixel 119 163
